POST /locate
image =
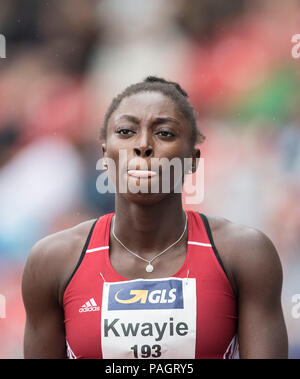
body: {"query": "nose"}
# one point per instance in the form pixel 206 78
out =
pixel 143 152
pixel 143 147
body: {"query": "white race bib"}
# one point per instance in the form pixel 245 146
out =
pixel 149 319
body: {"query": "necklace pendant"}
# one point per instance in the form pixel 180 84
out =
pixel 149 268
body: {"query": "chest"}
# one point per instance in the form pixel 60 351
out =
pixel 164 265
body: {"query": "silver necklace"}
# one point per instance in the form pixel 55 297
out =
pixel 149 267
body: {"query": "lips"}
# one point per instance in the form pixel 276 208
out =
pixel 141 173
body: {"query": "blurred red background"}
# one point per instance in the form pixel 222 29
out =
pixel 64 63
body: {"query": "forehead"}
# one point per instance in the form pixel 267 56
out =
pixel 148 104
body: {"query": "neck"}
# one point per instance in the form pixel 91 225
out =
pixel 148 229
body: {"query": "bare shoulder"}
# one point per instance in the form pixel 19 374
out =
pixel 54 257
pixel 248 254
pixel 60 244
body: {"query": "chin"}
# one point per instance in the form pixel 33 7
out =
pixel 146 199
pixel 139 192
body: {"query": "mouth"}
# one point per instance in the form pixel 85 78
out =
pixel 141 173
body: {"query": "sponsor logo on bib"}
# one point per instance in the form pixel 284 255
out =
pixel 146 295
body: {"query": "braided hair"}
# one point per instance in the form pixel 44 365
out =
pixel 170 89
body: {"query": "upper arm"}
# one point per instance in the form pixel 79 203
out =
pixel 44 329
pixel 258 274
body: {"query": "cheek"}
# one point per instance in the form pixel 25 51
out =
pixel 118 155
pixel 179 149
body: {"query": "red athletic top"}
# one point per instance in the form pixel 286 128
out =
pixel 192 314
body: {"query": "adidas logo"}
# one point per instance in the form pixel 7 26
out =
pixel 89 306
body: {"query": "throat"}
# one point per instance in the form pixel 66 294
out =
pixel 139 240
pixel 131 267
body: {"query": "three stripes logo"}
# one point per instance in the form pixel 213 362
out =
pixel 89 306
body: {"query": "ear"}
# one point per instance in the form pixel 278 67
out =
pixel 103 148
pixel 195 159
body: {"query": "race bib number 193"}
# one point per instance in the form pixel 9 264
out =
pixel 149 319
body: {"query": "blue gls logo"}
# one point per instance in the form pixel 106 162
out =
pixel 143 294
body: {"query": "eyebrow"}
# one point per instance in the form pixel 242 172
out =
pixel 156 121
pixel 128 117
pixel 162 120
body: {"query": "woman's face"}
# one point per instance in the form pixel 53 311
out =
pixel 145 128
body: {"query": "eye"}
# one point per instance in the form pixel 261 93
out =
pixel 124 132
pixel 166 134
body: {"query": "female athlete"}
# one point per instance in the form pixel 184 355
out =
pixel 152 280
